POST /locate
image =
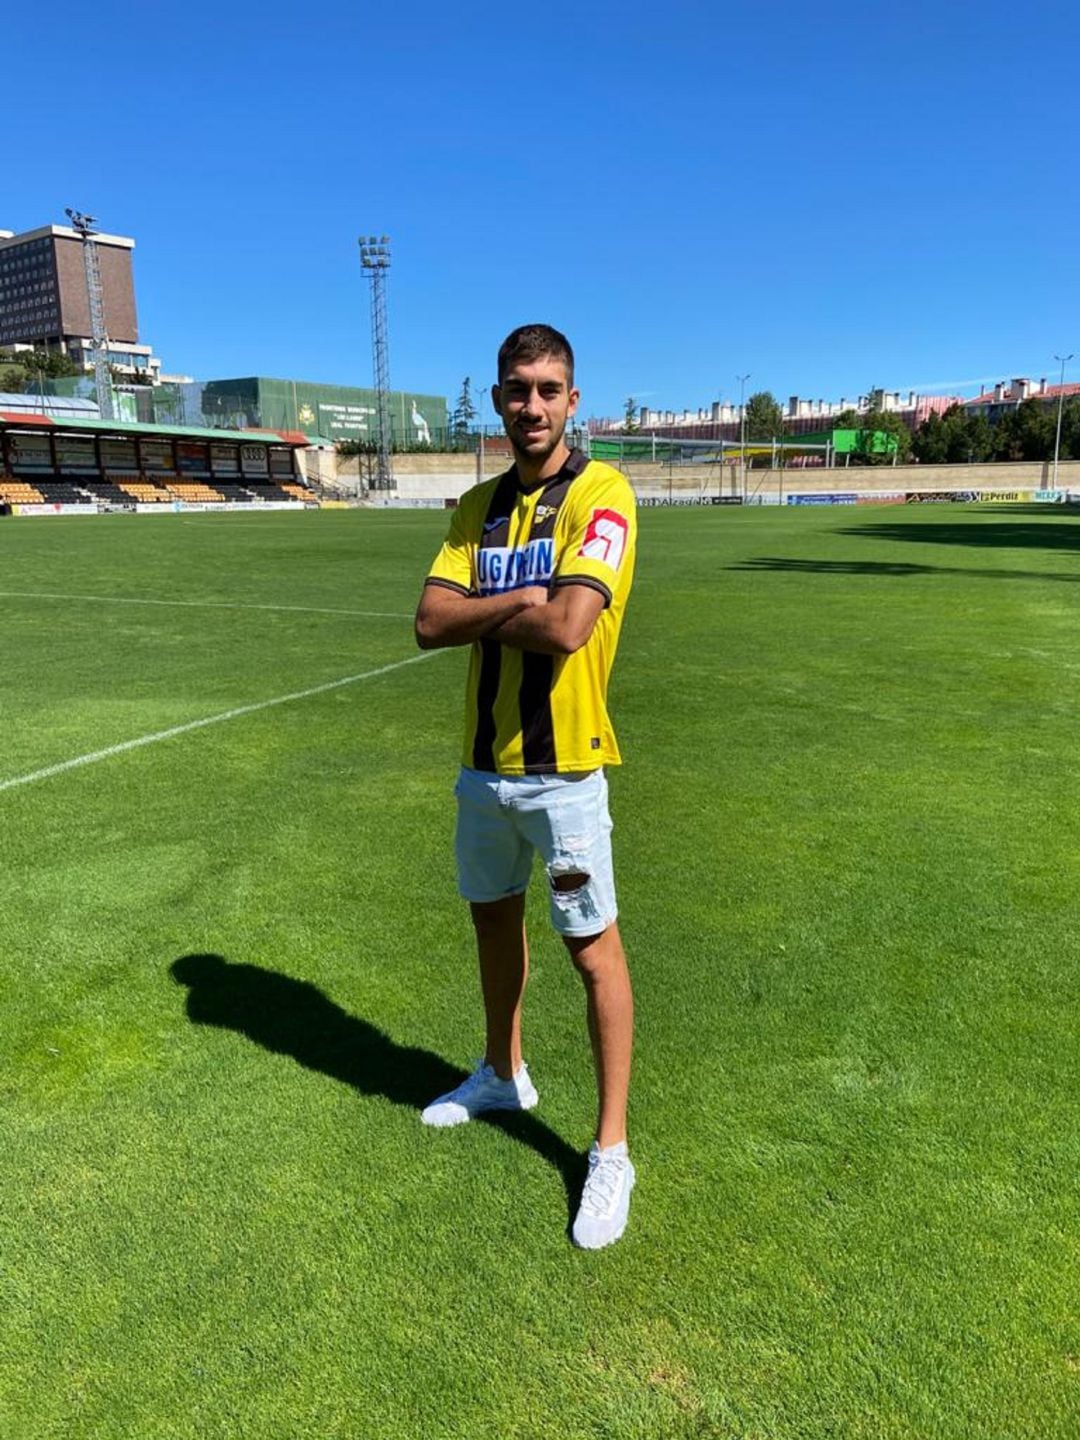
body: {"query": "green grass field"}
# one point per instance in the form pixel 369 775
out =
pixel 234 967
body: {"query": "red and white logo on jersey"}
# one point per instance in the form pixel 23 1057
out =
pixel 605 539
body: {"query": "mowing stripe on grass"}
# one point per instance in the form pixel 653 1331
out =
pixel 203 604
pixel 111 750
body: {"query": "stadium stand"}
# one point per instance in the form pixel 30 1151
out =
pixel 108 491
pixel 77 460
pixel 234 493
pixel 144 492
pixel 18 492
pixel 194 491
pixel 62 492
pixel 270 491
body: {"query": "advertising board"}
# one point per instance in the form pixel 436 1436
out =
pixel 253 459
pixel 156 455
pixel 75 454
pixel 119 457
pixel 224 460
pixel 824 499
pixel 29 452
pixel 940 497
pixel 57 509
pixel 193 458
pixel 653 501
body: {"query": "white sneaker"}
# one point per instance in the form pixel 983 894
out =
pixel 483 1090
pixel 605 1201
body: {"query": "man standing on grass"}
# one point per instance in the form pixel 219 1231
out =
pixel 534 575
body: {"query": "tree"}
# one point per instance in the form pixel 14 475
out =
pixel 764 418
pixel 980 438
pixel 1070 429
pixel 930 444
pixel 630 416
pixel 1026 433
pixel 465 411
pixel 954 437
pixel 1035 427
pixel 13 379
pixel 52 364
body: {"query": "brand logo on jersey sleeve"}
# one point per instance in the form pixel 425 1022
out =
pixel 605 539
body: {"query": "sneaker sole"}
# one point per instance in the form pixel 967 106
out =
pixel 440 1124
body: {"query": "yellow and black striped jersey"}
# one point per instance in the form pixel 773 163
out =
pixel 526 713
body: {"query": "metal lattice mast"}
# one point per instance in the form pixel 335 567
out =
pixel 375 260
pixel 98 334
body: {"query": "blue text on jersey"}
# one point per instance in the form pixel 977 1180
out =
pixel 498 567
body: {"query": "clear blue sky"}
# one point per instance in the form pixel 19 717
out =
pixel 829 197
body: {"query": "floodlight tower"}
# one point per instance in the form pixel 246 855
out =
pixel 742 379
pixel 83 224
pixel 375 260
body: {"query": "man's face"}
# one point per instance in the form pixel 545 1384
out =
pixel 535 401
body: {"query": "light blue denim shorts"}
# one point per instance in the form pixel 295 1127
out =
pixel 502 820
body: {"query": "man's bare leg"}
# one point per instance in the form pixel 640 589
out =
pixel 601 963
pixel 504 968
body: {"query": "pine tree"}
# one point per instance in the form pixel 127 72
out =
pixel 464 412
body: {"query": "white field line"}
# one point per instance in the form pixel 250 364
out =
pixel 235 714
pixel 202 604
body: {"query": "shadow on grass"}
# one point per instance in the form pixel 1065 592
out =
pixel 1060 536
pixel 1048 510
pixel 294 1018
pixel 890 569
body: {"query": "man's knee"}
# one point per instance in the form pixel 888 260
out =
pixel 596 956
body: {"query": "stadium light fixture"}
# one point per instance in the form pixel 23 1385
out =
pixel 84 224
pixel 1061 404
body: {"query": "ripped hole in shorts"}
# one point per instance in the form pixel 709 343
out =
pixel 566 884
pixel 572 890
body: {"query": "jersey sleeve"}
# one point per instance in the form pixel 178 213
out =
pixel 452 566
pixel 601 538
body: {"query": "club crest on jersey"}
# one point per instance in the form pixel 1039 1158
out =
pixel 605 539
pixel 499 567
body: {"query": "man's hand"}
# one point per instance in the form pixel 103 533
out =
pixel 531 595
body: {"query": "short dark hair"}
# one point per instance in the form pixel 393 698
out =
pixel 533 342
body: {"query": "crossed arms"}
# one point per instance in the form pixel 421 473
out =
pixel 555 622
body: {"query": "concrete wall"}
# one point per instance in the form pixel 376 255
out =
pixel 419 477
pixel 431 476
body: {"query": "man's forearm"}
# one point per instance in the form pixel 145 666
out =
pixel 461 619
pixel 561 624
pixel 541 629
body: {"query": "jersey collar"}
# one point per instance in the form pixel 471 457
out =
pixel 572 466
